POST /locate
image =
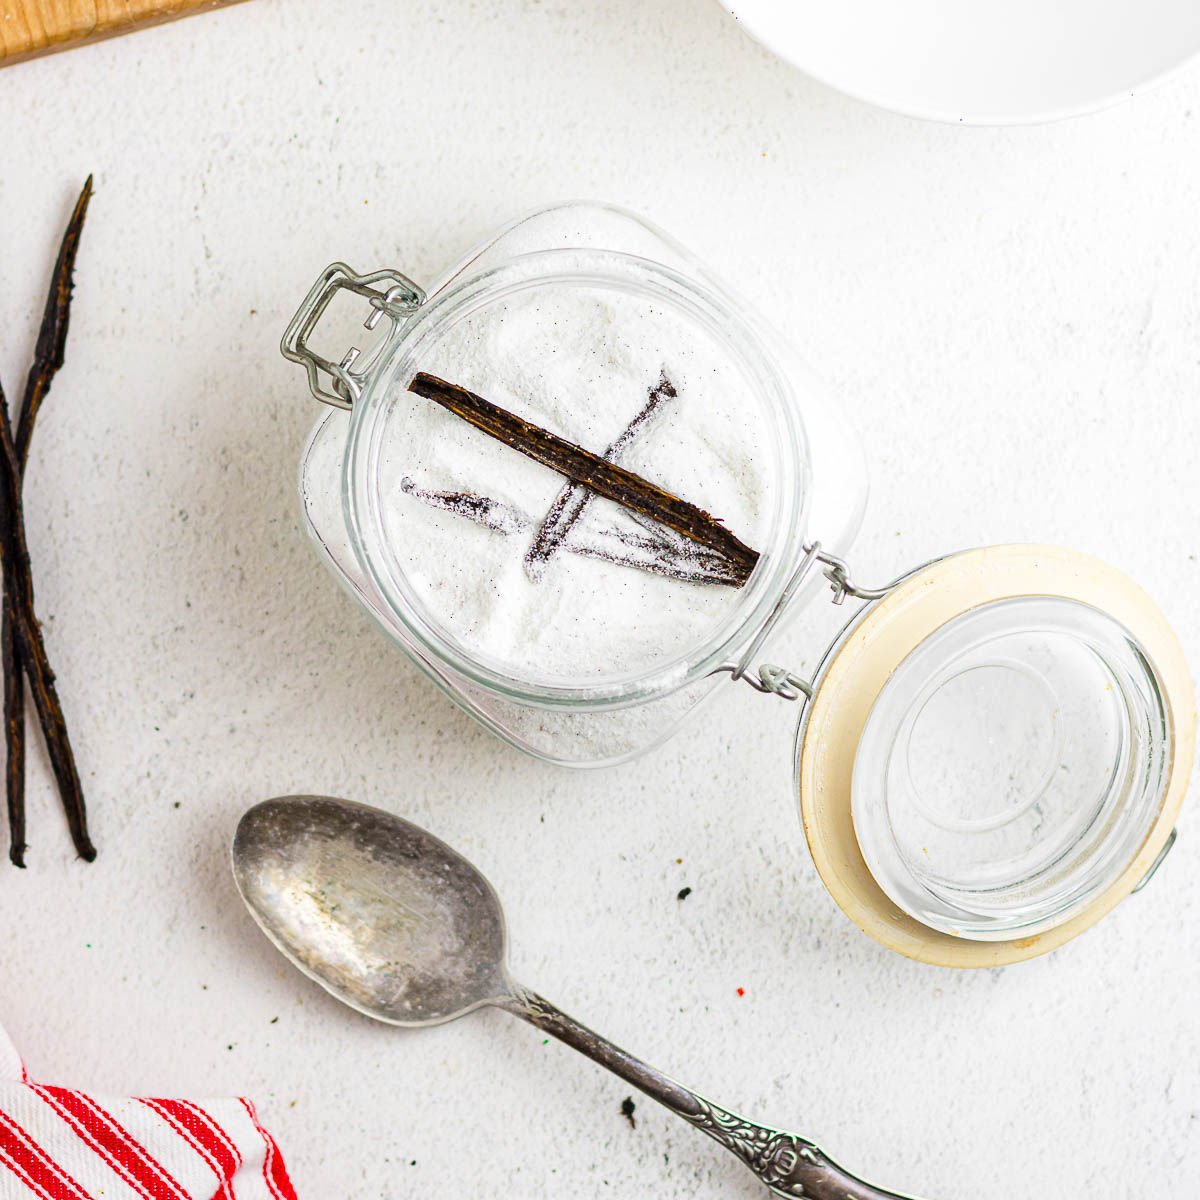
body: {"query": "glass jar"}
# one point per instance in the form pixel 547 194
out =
pixel 991 754
pixel 817 477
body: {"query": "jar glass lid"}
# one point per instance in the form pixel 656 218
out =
pixel 994 754
pixel 1011 767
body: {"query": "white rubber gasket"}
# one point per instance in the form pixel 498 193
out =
pixel 859 667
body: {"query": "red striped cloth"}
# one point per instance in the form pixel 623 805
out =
pixel 60 1144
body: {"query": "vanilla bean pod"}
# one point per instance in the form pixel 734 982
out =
pixel 22 643
pixel 51 344
pixel 656 559
pixel 582 466
pixel 14 706
pixel 647 551
pixel 572 501
pixel 32 649
pixel 482 510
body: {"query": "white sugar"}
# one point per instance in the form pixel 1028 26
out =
pixel 582 363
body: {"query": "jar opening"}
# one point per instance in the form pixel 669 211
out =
pixel 559 326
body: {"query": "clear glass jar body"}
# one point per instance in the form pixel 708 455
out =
pixel 820 479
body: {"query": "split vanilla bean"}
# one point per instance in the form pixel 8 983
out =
pixel 571 503
pixel 22 643
pixel 581 466
pixel 646 551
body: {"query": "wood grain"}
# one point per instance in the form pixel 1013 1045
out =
pixel 32 27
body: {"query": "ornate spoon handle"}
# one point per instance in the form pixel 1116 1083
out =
pixel 788 1164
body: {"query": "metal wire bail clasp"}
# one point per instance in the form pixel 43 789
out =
pixel 778 681
pixel 838 574
pixel 398 299
pixel 770 679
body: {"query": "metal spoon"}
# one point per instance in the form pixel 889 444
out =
pixel 396 924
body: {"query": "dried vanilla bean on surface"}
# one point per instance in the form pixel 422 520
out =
pixel 23 646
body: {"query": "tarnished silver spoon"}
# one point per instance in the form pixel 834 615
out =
pixel 396 924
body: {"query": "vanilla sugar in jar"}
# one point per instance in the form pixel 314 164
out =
pixel 575 628
pixel 532 573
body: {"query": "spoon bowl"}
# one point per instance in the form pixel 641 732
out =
pixel 383 915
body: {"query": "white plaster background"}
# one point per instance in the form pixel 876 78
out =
pixel 1013 320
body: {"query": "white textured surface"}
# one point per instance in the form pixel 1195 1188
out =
pixel 1013 318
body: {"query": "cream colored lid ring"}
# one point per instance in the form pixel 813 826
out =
pixel 871 656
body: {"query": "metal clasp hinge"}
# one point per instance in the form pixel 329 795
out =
pixel 770 680
pixel 397 300
pixel 778 681
pixel 838 574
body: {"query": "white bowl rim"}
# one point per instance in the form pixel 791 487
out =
pixel 753 28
